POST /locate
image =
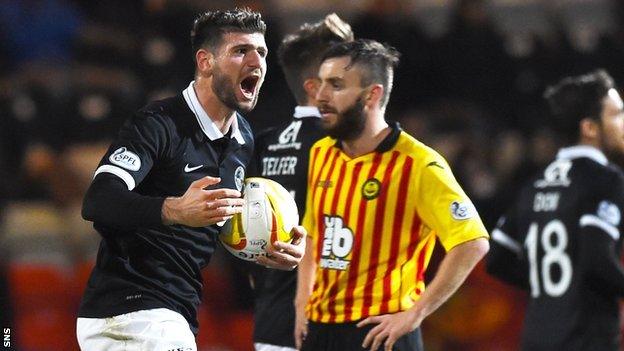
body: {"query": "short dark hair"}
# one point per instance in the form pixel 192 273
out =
pixel 377 59
pixel 300 53
pixel 209 27
pixel 577 97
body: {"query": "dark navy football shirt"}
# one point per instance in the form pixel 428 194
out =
pixel 562 241
pixel 158 153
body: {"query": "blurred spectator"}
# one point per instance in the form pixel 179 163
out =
pixel 473 61
pixel 38 30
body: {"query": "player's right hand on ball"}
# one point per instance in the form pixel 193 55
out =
pixel 199 207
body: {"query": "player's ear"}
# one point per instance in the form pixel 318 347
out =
pixel 589 128
pixel 311 86
pixel 205 61
pixel 374 95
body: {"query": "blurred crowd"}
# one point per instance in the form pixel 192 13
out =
pixel 469 84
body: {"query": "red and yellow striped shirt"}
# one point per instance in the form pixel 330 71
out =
pixel 374 221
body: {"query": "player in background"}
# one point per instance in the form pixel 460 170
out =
pixel 377 200
pixel 561 240
pixel 282 154
pixel 175 170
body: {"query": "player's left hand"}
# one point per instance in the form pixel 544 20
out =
pixel 285 256
pixel 390 327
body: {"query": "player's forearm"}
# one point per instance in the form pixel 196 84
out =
pixel 599 255
pixel 170 211
pixel 506 266
pixel 109 202
pixel 305 276
pixel 453 270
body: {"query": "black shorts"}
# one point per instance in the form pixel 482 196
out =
pixel 348 337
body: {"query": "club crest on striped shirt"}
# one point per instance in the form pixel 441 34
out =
pixel 371 189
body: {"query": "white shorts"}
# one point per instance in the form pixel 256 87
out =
pixel 158 329
pixel 267 347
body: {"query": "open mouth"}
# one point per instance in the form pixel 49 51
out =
pixel 248 86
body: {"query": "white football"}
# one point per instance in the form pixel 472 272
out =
pixel 269 214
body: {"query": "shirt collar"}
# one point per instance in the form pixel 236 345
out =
pixel 306 111
pixel 388 142
pixel 583 151
pixel 205 122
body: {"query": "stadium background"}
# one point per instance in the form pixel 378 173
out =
pixel 469 84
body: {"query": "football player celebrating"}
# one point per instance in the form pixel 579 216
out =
pixel 561 240
pixel 174 171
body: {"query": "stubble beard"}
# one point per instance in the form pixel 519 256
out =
pixel 350 123
pixel 614 150
pixel 225 91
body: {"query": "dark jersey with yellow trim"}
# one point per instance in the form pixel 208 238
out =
pixel 281 154
pixel 561 241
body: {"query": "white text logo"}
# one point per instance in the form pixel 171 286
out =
pixel 556 174
pixel 125 159
pixel 272 166
pixel 337 244
pixel 288 138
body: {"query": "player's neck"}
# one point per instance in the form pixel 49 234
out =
pixel 375 131
pixel 593 142
pixel 221 115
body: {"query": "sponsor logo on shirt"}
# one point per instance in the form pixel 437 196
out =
pixel 556 174
pixel 272 166
pixel 462 210
pixel 609 212
pixel 337 244
pixel 124 158
pixel 288 138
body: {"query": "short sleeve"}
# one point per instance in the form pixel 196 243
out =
pixel 603 208
pixel 445 208
pixel 506 260
pixel 141 141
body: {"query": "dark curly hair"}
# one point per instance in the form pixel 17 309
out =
pixel 574 98
pixel 377 60
pixel 209 27
pixel 300 53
